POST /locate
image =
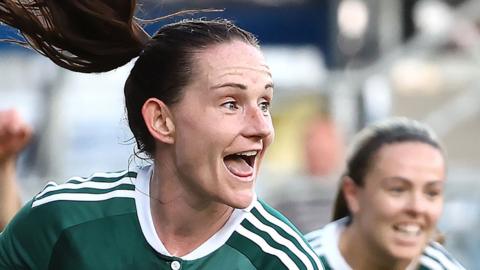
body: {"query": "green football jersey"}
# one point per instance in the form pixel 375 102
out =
pixel 104 222
pixel 325 242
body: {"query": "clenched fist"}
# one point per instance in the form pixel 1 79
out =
pixel 15 134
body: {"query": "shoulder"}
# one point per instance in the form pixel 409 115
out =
pixel 326 237
pixel 265 231
pixel 33 232
pixel 324 242
pixel 315 239
pixel 435 256
pixel 97 187
pixel 79 199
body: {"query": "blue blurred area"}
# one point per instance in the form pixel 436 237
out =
pixel 307 24
pixel 7 32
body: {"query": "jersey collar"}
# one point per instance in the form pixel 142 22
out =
pixel 142 202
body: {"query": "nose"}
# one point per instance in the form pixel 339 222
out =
pixel 418 203
pixel 258 124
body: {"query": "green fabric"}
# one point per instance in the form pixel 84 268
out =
pixel 325 263
pixel 81 234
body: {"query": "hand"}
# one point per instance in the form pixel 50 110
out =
pixel 15 134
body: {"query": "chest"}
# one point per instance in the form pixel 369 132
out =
pixel 121 246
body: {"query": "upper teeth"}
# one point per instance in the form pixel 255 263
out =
pixel 248 153
pixel 409 228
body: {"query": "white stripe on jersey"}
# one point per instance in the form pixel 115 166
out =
pixel 441 257
pixel 267 248
pixel 280 239
pixel 311 235
pixel 430 263
pixel 100 174
pixel 85 197
pixel 288 230
pixel 96 185
pixel 315 240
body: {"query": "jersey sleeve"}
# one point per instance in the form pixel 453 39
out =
pixel 281 238
pixel 435 256
pixel 25 244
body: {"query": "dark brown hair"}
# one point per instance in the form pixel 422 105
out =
pixel 84 36
pixel 369 141
pixel 101 35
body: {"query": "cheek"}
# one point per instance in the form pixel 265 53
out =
pixel 435 211
pixel 383 206
pixel 269 139
pixel 196 128
pixel 192 140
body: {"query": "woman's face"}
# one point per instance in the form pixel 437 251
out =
pixel 223 124
pixel 398 207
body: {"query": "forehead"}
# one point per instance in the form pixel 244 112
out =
pixel 406 158
pixel 408 150
pixel 230 57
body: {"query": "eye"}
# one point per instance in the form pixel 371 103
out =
pixel 265 107
pixel 231 105
pixel 396 190
pixel 434 193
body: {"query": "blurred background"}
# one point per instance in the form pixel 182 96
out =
pixel 337 65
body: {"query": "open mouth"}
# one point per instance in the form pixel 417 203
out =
pixel 241 164
pixel 408 229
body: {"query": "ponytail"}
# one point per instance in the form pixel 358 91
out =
pixel 340 208
pixel 79 35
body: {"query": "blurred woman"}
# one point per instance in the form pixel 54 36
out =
pixel 389 202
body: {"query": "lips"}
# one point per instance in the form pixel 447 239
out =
pixel 241 164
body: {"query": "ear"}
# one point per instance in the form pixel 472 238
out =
pixel 158 119
pixel 351 194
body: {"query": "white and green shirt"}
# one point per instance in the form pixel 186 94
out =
pixel 325 243
pixel 104 222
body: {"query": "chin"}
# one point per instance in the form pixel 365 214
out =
pixel 406 253
pixel 240 200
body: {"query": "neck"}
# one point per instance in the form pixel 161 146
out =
pixel 361 255
pixel 182 221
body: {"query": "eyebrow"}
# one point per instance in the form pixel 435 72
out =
pixel 238 85
pixel 399 178
pixel 394 179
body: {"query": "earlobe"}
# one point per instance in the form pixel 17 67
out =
pixel 158 120
pixel 350 192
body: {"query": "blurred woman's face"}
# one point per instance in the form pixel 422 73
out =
pixel 398 207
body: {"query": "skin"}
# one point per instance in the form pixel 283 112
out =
pixel 14 136
pixel 396 211
pixel 224 111
pixel 322 147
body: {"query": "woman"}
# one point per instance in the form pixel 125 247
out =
pixel 197 101
pixel 390 200
pixel 14 136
